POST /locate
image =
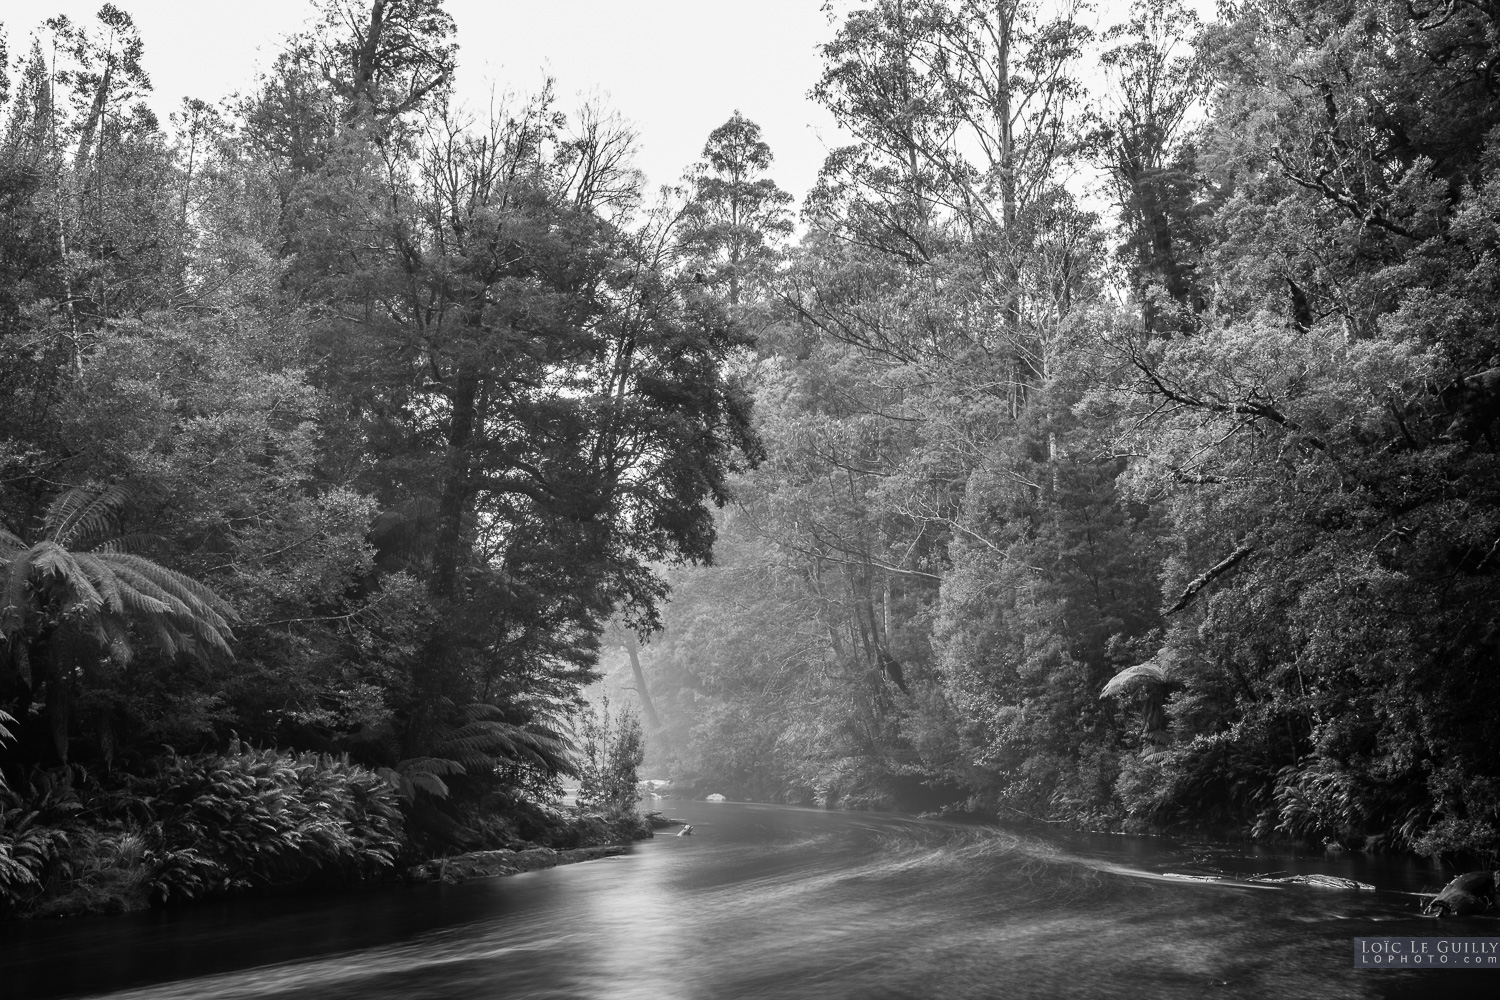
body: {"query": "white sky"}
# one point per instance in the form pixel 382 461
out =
pixel 675 68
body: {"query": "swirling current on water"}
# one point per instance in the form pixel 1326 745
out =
pixel 770 901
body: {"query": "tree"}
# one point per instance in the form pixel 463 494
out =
pixel 627 640
pixel 1158 84
pixel 736 218
pixel 1330 591
pixel 427 403
pixel 386 58
pixel 547 410
pixel 755 701
pixel 365 73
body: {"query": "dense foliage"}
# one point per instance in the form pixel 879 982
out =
pixel 341 435
pixel 331 423
pixel 1182 515
pixel 194 827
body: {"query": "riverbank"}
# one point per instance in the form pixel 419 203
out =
pixel 130 890
pixel 87 865
pixel 492 864
pixel 247 822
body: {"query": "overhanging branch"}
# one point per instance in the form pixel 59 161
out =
pixel 1213 573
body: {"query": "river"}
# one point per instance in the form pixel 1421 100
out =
pixel 769 901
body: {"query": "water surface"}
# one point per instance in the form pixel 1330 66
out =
pixel 768 901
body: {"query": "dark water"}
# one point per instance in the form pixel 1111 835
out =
pixel 766 901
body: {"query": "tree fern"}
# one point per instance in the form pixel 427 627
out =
pixel 421 774
pixel 81 588
pixel 1132 678
pixel 1162 670
pixel 484 741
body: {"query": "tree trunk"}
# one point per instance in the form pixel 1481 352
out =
pixel 647 705
pixel 458 488
pixel 914 175
pixel 364 59
pixel 58 707
pixel 1005 16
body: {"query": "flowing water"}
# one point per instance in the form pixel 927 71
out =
pixel 768 901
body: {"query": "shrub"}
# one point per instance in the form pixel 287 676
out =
pixel 264 817
pixel 30 846
pixel 197 826
pixel 612 748
pixel 1218 779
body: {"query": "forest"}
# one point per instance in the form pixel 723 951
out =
pixel 1107 439
pixel 1173 505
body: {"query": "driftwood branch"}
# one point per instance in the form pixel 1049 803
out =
pixel 1209 576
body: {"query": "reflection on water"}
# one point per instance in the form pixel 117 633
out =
pixel 766 901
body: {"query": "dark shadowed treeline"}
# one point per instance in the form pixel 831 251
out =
pixel 335 425
pixel 1183 512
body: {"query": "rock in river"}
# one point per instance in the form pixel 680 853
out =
pixel 1473 892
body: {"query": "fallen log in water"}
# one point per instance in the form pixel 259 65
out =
pixel 1321 881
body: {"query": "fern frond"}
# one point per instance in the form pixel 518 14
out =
pixel 136 602
pixel 420 774
pixel 479 736
pixel 430 765
pixel 142 594
pixel 104 580
pixel 1131 678
pixel 481 712
pixel 479 761
pixel 498 743
pixel 429 783
pixel 160 633
pixel 76 592
pixel 117 641
pixel 80 516
pixel 189 615
pixel 63 508
pixel 99 584
pixel 200 598
pixel 133 543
